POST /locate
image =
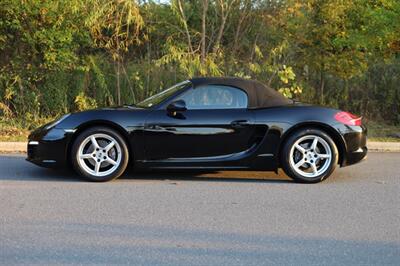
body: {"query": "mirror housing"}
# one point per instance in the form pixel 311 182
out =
pixel 176 106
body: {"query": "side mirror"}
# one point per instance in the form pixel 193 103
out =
pixel 177 106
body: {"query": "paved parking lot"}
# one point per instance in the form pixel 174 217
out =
pixel 224 218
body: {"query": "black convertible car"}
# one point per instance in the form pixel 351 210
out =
pixel 204 123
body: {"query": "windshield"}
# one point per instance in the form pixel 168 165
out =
pixel 158 98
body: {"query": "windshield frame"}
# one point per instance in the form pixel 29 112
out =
pixel 187 84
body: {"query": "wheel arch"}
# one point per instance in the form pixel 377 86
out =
pixel 336 137
pixel 98 123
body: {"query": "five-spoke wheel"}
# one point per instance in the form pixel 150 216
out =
pixel 100 154
pixel 309 155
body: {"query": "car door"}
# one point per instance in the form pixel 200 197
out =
pixel 215 125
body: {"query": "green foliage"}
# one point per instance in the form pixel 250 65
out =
pixel 68 55
pixel 83 102
pixel 114 25
pixel 189 64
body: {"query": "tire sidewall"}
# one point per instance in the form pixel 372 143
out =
pixel 104 130
pixel 285 156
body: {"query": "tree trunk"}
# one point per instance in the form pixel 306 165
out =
pixel 224 16
pixel 189 40
pixel 220 33
pixel 322 86
pixel 118 83
pixel 254 46
pixel 129 83
pixel 203 31
pixel 236 38
pixel 243 15
pixel 146 93
pixel 21 93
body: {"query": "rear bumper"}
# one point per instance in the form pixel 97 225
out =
pixel 355 138
pixel 355 156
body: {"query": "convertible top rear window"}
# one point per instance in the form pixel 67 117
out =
pixel 259 95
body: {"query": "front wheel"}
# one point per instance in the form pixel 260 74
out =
pixel 309 156
pixel 100 154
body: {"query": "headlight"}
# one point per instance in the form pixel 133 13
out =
pixel 56 122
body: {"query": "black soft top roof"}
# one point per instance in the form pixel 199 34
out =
pixel 259 95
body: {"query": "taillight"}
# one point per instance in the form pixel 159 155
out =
pixel 348 119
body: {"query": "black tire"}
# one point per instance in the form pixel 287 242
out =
pixel 290 169
pixel 124 153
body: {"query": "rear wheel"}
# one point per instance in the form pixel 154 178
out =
pixel 309 156
pixel 100 154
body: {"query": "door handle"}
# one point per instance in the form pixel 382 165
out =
pixel 154 127
pixel 240 123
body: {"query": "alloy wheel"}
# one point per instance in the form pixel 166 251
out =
pixel 310 156
pixel 99 155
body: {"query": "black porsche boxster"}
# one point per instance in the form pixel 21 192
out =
pixel 204 123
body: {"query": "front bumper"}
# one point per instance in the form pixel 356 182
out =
pixel 48 148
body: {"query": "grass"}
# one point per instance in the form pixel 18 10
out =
pixel 382 132
pixel 18 130
pixel 383 139
pixel 12 133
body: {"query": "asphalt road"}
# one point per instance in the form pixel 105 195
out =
pixel 226 218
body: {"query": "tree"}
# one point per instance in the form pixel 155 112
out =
pixel 225 8
pixel 37 40
pixel 339 38
pixel 203 30
pixel 115 25
pixel 60 56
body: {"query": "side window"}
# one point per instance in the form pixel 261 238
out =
pixel 214 97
